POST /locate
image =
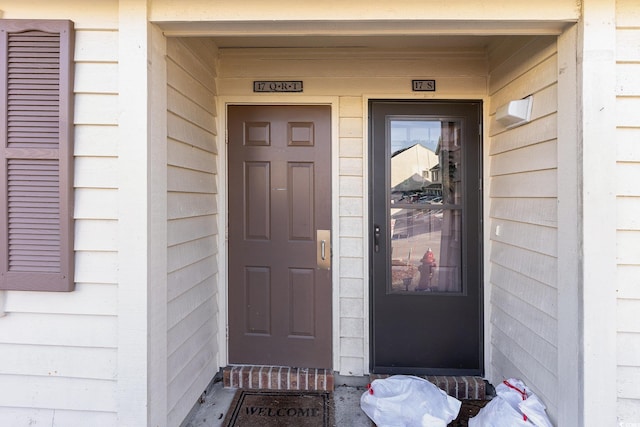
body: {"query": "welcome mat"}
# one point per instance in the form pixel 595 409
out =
pixel 267 408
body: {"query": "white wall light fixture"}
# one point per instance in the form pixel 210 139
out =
pixel 515 113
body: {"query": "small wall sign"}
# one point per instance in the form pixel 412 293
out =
pixel 424 85
pixel 277 86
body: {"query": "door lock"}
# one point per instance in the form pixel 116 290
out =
pixel 376 238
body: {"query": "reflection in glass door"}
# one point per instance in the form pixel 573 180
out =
pixel 425 205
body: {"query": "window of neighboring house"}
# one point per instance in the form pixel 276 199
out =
pixel 36 162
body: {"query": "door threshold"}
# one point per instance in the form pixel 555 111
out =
pixel 277 378
pixel 460 387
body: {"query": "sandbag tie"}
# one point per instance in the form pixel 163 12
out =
pixel 523 394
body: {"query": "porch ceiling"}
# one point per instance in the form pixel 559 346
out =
pixel 422 34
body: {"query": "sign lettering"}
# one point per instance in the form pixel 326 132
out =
pixel 424 85
pixel 277 86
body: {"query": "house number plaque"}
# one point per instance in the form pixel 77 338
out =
pixel 424 85
pixel 277 86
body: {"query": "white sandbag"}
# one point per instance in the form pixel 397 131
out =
pixel 515 405
pixel 408 401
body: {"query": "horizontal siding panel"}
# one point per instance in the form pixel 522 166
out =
pixel 189 252
pixel 55 361
pixel 628 412
pixel 185 155
pixel 186 302
pixel 351 247
pixel 59 329
pixel 351 206
pixel 351 186
pixel 96 203
pixel 184 83
pixel 628 148
pixel 96 267
pixel 351 147
pixel 541 211
pixel 533 80
pixel 350 106
pixel 60 393
pixel 627 178
pixel 538 322
pixel 182 393
pixel 351 166
pixel 198 339
pixel 628 349
pixel 508 332
pixel 537 266
pixel 627 212
pixel 529 56
pixel 527 184
pixel 190 181
pixel 627 244
pixel 544 129
pixel 627 82
pixel 96 46
pixel 205 50
pixel 181 280
pixel 205 313
pixel 627 13
pixel 530 158
pixel 627 315
pixel 87 418
pixel 96 109
pixel 351 227
pixel 628 45
pixel 537 294
pixel 191 58
pixel 96 235
pixel 628 280
pixel 96 78
pixel 315 64
pixel 26 417
pixel 96 172
pixel 181 205
pixel 182 230
pixel 468 87
pixel 201 361
pixel 99 141
pixel 628 380
pixel 184 131
pixel 627 112
pixel 89 299
pixel 527 236
pixel 181 105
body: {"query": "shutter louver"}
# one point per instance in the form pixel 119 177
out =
pixel 36 180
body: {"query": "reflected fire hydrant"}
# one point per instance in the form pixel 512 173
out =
pixel 426 270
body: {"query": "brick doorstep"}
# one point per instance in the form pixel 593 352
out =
pixel 288 378
pixel 460 387
pixel 277 378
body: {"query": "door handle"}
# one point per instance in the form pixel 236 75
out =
pixel 323 244
pixel 376 237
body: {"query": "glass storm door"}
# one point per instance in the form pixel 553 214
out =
pixel 426 240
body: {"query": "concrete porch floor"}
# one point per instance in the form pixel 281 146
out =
pixel 212 410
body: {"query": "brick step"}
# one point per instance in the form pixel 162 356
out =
pixel 277 378
pixel 460 387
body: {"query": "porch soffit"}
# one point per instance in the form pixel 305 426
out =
pixel 379 33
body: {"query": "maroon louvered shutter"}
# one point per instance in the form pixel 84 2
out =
pixel 36 163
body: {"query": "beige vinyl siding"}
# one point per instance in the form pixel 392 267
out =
pixel 352 75
pixel 628 205
pixel 58 351
pixel 192 207
pixel 523 219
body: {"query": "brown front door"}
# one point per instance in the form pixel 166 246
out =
pixel 279 203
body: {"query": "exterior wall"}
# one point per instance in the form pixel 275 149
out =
pixel 523 220
pixel 628 204
pixel 58 351
pixel 192 200
pixel 353 76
